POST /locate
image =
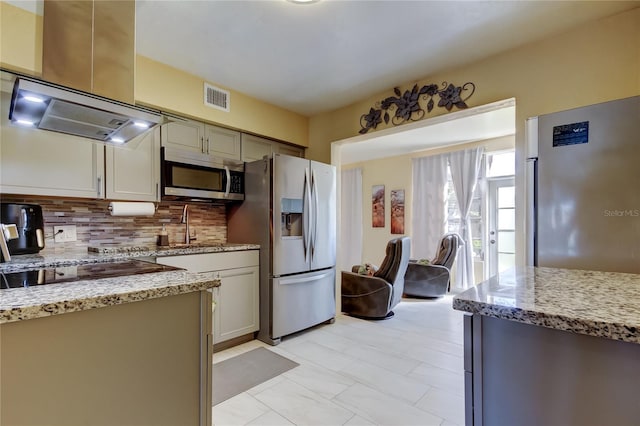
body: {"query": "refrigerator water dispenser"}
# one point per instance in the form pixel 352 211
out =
pixel 291 217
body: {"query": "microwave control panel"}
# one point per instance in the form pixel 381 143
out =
pixel 236 184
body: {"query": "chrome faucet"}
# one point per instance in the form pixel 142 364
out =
pixel 185 220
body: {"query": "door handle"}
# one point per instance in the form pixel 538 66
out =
pixel 228 189
pixel 314 193
pixel 306 214
pixel 303 280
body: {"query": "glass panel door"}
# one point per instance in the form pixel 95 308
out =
pixel 502 218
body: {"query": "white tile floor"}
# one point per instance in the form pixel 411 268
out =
pixel 407 370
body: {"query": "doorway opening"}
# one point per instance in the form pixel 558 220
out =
pixel 385 156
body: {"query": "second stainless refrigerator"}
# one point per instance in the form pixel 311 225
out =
pixel 290 210
pixel 585 175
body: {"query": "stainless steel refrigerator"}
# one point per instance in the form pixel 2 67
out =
pixel 290 210
pixel 585 177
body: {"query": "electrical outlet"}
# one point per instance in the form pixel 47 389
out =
pixel 63 234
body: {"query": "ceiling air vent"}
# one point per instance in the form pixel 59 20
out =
pixel 216 97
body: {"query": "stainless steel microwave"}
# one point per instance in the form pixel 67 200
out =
pixel 188 174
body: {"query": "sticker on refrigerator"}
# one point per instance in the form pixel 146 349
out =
pixel 571 134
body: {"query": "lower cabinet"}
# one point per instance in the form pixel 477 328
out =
pixel 237 309
pixel 142 363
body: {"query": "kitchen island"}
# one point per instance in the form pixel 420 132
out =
pixel 547 346
pixel 131 349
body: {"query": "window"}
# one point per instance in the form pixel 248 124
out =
pixel 501 164
pixel 489 205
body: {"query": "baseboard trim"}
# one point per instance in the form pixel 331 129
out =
pixel 217 347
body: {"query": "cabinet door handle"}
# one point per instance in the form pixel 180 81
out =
pixel 207 145
pixel 202 143
pixel 99 185
pixel 157 191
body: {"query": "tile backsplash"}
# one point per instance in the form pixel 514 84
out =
pixel 96 227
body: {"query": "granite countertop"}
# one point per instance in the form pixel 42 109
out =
pixel 18 304
pixel 22 303
pixel 601 304
pixel 80 255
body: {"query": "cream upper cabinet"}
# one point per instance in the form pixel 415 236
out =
pixel 221 142
pixel 294 151
pixel 134 174
pixel 40 162
pixel 203 138
pixel 255 148
pixel 184 134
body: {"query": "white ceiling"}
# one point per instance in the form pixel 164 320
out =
pixel 322 56
pixel 312 58
pixel 317 57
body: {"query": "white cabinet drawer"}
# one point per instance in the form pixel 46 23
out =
pixel 207 262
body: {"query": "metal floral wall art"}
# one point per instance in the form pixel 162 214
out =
pixel 407 106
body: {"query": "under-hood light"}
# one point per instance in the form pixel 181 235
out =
pixel 117 140
pixel 25 123
pixel 141 124
pixel 33 99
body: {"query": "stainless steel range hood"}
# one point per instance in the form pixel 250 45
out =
pixel 47 106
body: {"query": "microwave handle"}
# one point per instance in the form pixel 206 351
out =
pixel 226 192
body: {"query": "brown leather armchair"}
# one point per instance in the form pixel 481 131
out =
pixel 374 297
pixel 433 280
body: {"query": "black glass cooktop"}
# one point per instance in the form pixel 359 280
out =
pixel 61 274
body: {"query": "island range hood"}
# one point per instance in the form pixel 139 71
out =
pixel 46 106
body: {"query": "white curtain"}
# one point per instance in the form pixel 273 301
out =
pixel 465 167
pixel 429 211
pixel 350 219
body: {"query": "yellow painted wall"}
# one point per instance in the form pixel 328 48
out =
pixel 392 173
pixel 592 63
pixel 170 89
pixel 396 173
pixel 20 40
pixel 596 62
pixel 157 85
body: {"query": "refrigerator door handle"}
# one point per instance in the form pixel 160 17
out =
pixel 531 211
pixel 294 280
pixel 314 194
pixel 306 216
